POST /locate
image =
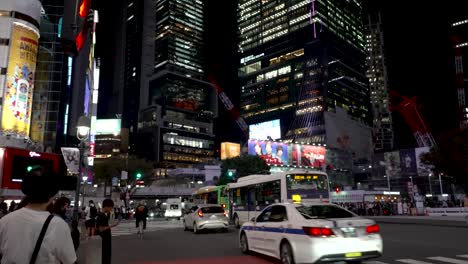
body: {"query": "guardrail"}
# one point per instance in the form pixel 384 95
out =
pixel 451 211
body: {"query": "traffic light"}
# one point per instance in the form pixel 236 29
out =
pixel 230 173
pixel 139 175
pixel 75 25
pixel 29 168
pixel 337 189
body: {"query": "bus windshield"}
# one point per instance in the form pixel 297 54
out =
pixel 307 182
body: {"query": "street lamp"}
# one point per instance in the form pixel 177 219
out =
pixel 82 133
pixel 440 183
pixel 430 184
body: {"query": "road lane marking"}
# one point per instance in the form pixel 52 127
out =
pixel 375 262
pixel 449 260
pixel 462 256
pixel 412 261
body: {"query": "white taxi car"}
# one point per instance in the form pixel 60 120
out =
pixel 300 233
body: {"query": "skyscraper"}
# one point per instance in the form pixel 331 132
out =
pixel 382 132
pixel 303 62
pixel 177 104
pixel 460 48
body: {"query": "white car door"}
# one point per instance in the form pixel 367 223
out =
pixel 258 233
pixel 275 228
pixel 189 218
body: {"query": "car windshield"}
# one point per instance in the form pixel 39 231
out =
pixel 174 207
pixel 323 212
pixel 212 210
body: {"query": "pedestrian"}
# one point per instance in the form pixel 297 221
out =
pixel 141 214
pixel 75 234
pixel 60 208
pixel 33 235
pixel 104 229
pixel 91 214
pixel 3 209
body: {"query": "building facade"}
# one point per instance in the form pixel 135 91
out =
pixel 382 129
pixel 303 62
pixel 177 104
pixel 460 47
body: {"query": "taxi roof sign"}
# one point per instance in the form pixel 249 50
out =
pixel 296 198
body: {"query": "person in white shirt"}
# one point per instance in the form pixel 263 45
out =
pixel 19 230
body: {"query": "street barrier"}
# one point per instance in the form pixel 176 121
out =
pixel 452 211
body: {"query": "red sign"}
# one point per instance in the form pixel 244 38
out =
pixel 91 149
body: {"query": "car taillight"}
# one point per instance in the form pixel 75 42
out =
pixel 372 229
pixel 200 213
pixel 318 231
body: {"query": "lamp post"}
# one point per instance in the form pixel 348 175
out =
pixel 82 133
pixel 430 185
pixel 85 178
pixel 440 183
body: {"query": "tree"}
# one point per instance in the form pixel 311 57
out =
pixel 450 158
pixel 106 169
pixel 243 166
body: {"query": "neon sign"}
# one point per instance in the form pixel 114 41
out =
pixel 33 154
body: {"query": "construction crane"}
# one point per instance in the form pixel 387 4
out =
pixel 409 110
pixel 235 114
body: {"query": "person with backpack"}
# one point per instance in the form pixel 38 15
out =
pixel 32 234
pixel 141 214
pixel 91 214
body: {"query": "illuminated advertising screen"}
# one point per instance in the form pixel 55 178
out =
pixel 18 95
pixel 308 155
pixel 279 153
pixel 262 131
pixel 274 153
pixel 229 150
pixel 108 126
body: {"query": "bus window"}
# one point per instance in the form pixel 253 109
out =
pixel 307 182
pixel 268 193
pixel 239 196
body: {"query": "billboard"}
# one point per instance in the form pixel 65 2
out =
pixel 18 94
pixel 408 162
pixel 279 153
pixel 229 150
pixel 344 133
pixel 108 126
pixel 422 168
pixel 262 131
pixel 392 163
pixel 308 155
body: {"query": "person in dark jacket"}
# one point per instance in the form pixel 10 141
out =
pixel 141 213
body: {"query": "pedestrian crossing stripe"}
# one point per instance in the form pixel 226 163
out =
pixel 449 260
pixel 434 259
pixel 412 261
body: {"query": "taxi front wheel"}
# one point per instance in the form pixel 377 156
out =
pixel 244 244
pixel 286 254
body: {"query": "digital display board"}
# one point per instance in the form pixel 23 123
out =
pixel 280 153
pixel 262 131
pixel 108 126
pixel 229 150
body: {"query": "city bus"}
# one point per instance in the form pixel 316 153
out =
pixel 212 195
pixel 251 194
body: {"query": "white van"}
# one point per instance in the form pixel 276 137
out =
pixel 173 209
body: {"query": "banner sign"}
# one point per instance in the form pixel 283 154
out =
pixel 16 110
pixel 279 153
pixel 72 159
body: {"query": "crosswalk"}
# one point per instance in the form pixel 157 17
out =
pixel 128 227
pixel 458 259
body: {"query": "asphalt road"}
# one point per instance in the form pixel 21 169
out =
pixel 403 243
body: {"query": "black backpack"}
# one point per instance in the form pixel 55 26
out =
pixel 93 212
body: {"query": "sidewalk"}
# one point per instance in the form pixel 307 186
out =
pixel 443 221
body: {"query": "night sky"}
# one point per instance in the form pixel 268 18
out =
pixel 417 50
